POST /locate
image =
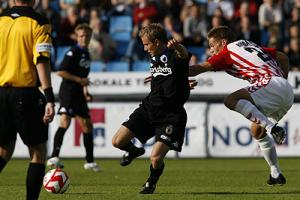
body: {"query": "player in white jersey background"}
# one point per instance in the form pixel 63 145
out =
pixel 266 100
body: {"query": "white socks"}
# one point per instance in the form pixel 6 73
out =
pixel 267 147
pixel 250 111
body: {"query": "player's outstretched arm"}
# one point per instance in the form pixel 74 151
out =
pixel 194 70
pixel 283 61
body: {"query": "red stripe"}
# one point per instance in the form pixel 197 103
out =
pixel 247 62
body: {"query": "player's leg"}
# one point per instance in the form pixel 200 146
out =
pixel 242 102
pixel 7 127
pixel 6 151
pixel 64 124
pixel 158 154
pixel 122 140
pixel 36 170
pixel 137 126
pixel 87 128
pixel 268 150
pixel 28 116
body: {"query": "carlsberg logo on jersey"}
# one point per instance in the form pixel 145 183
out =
pixel 160 67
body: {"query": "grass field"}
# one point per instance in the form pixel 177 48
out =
pixel 183 179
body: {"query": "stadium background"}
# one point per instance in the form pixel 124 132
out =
pixel 119 67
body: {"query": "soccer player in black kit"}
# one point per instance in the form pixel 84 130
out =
pixel 161 113
pixel 73 97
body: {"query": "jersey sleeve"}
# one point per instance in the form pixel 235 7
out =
pixel 220 61
pixel 43 43
pixel 66 62
pixel 271 51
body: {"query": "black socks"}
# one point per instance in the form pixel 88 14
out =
pixel 89 146
pixel 58 140
pixel 34 180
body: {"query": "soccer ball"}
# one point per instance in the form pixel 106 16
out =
pixel 56 181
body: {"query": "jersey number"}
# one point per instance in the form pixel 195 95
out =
pixel 260 54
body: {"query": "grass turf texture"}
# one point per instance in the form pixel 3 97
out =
pixel 226 179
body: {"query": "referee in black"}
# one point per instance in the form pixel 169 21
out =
pixel 161 113
pixel 25 46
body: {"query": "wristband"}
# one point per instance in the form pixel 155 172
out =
pixel 49 95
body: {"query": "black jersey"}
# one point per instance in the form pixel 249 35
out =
pixel 77 62
pixel 169 86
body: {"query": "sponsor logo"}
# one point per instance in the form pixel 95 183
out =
pixel 175 144
pixel 164 137
pixel 163 71
pixel 84 63
pixel 43 47
pixel 69 53
pixel 15 15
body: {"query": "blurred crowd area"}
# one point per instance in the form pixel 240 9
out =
pixel 116 23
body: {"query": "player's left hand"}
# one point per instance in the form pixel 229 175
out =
pixel 172 43
pixel 193 84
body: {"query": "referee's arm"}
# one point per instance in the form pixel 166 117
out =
pixel 44 70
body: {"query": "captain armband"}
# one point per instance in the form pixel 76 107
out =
pixel 49 95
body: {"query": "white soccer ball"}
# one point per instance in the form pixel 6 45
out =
pixel 56 181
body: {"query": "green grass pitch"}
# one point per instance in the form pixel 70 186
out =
pixel 183 179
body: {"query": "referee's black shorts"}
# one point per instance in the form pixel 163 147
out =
pixel 22 111
pixel 170 133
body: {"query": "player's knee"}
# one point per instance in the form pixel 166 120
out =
pixel 229 102
pixel 258 131
pixel 116 142
pixel 38 153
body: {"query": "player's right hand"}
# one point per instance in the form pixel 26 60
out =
pixel 148 79
pixel 84 81
pixel 49 113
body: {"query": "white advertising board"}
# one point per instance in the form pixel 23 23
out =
pixel 107 118
pixel 229 134
pixel 112 83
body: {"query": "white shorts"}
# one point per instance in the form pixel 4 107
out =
pixel 275 99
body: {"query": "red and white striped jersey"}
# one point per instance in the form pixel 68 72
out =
pixel 246 60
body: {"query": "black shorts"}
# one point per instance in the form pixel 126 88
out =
pixel 22 111
pixel 170 133
pixel 73 104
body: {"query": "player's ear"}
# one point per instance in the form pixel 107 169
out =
pixel 224 42
pixel 156 42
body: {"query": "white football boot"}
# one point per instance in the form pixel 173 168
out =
pixel 54 162
pixel 92 166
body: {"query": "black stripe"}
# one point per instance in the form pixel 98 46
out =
pixel 26 11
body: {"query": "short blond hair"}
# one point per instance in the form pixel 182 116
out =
pixel 154 31
pixel 85 27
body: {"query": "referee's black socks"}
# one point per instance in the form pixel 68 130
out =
pixel 2 163
pixel 34 180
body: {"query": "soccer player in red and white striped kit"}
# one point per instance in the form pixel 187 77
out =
pixel 268 97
